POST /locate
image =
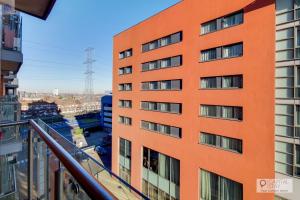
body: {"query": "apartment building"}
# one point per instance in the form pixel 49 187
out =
pixel 200 82
pixel 106 112
pixel 287 94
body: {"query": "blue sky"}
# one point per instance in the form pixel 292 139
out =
pixel 54 49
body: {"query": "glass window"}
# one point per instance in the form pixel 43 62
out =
pixel 210 82
pixel 232 51
pixel 284 5
pixel 153 161
pixel 284 93
pixel 284 109
pixel 285 72
pixel 217 187
pixel 283 168
pixel 284 44
pixel 175 171
pixel 209 27
pixel 284 147
pixel 164 166
pixel 208 139
pixel 298 155
pixel 285 17
pixel 232 20
pixel 285 34
pixel 284 158
pixel 209 55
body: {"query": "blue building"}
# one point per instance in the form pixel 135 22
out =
pixel 106 112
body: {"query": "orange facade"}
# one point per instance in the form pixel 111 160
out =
pixel 256 129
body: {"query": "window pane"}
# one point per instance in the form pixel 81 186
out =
pixel 232 51
pixel 153 161
pixel 284 147
pixel 284 93
pixel 298 155
pixel 285 17
pixel 208 139
pixel 284 5
pixel 175 171
pixel 285 71
pixel 232 20
pixel 284 131
pixel 230 189
pixel 209 55
pixel 209 27
pixel 284 82
pixel 284 44
pixel 284 168
pixel 164 166
pixel 284 158
pixel 298 114
pixel 209 185
pixel 285 34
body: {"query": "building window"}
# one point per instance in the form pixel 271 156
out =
pixel 234 50
pixel 162 63
pixel 217 187
pixel 125 120
pixel 223 22
pixel 161 175
pixel 125 70
pixel 220 82
pixel 161 107
pixel 287 82
pixel 287 11
pixel 125 54
pixel 125 87
pixel 164 41
pixel 161 128
pixel 222 142
pixel 285 44
pixel 228 51
pixel 125 103
pixel 223 112
pixel 162 85
pixel 284 156
pixel 125 160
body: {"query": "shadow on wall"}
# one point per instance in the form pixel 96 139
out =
pixel 257 4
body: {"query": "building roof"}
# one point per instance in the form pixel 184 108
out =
pixel 37 8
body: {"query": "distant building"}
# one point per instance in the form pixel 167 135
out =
pixel 55 92
pixel 106 112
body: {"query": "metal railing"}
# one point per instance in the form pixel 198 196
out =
pixel 66 154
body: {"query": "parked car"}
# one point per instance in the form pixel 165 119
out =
pixel 100 150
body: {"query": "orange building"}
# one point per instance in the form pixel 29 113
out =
pixel 193 98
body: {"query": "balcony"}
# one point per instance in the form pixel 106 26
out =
pixel 11 51
pixel 9 108
pixel 12 84
pixel 51 167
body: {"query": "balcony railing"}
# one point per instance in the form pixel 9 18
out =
pixel 9 108
pixel 12 84
pixel 52 167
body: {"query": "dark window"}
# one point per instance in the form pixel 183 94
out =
pixel 125 54
pixel 164 41
pixel 223 142
pixel 228 51
pixel 162 63
pixel 223 22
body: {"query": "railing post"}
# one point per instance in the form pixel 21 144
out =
pixel 59 176
pixel 30 164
